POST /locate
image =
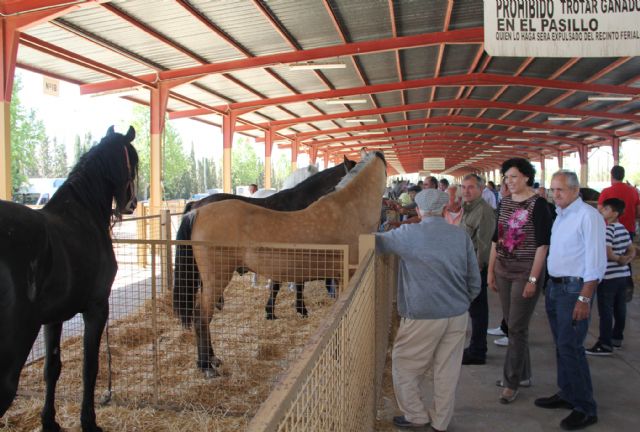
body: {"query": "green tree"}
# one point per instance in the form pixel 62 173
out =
pixel 82 145
pixel 44 159
pixel 247 167
pixel 214 176
pixel 280 171
pixel 27 133
pixel 59 166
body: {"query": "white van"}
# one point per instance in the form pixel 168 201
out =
pixel 39 191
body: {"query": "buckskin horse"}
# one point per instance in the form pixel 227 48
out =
pixel 59 261
pixel 295 198
pixel 337 218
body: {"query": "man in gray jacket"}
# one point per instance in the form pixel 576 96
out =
pixel 479 220
pixel 437 280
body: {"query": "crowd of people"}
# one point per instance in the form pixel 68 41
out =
pixel 457 241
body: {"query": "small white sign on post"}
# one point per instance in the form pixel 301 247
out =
pixel 562 28
pixel 50 86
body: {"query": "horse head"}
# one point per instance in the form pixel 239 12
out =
pixel 124 171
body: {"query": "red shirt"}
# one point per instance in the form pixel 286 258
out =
pixel 629 195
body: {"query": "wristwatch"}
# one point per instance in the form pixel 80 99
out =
pixel 584 299
pixel 533 279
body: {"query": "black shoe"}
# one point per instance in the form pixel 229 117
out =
pixel 578 420
pixel 402 422
pixel 599 350
pixel 553 402
pixel 468 359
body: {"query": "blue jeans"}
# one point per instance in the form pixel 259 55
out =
pixel 574 377
pixel 612 306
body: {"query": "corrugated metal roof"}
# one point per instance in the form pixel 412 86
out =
pixel 139 37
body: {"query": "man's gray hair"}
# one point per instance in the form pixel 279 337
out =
pixel 572 177
pixel 476 177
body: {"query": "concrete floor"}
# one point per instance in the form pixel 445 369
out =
pixel 616 381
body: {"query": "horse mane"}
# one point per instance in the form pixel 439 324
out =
pixel 359 167
pixel 98 173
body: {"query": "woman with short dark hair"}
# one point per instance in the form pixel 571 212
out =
pixel 517 267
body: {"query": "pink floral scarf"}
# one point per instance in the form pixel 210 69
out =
pixel 514 235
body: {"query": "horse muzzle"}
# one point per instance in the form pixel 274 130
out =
pixel 131 206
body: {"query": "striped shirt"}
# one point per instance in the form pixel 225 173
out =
pixel 617 237
pixel 522 227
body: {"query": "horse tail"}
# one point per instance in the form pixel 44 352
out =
pixel 188 207
pixel 186 279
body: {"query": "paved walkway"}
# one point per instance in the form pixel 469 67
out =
pixel 616 382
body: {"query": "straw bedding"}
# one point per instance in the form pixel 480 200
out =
pixel 158 387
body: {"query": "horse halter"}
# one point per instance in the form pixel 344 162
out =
pixel 133 202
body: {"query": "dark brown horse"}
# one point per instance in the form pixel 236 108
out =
pixel 337 218
pixel 59 261
pixel 295 198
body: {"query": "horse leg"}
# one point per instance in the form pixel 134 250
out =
pixel 94 321
pixel 14 350
pixel 332 286
pixel 271 303
pixel 207 361
pixel 300 307
pixel 52 368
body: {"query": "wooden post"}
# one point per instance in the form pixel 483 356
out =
pixel 165 251
pixel 142 235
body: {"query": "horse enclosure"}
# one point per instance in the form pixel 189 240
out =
pixel 147 359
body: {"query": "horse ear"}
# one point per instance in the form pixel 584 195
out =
pixel 131 134
pixel 110 131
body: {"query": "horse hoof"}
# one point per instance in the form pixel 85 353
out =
pixel 303 313
pixel 53 427
pixel 91 428
pixel 216 362
pixel 271 317
pixel 211 373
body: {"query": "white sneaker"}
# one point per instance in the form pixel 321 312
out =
pixel 496 332
pixel 504 341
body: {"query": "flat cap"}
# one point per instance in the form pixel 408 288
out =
pixel 432 200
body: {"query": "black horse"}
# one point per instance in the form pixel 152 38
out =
pixel 296 198
pixel 59 261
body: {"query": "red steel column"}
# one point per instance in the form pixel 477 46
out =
pixel 583 153
pixel 615 149
pixel 294 153
pixel 9 37
pixel 268 146
pixel 228 129
pixel 313 154
pixel 560 164
pixel 159 97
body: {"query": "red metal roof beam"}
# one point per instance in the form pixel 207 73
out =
pixel 473 35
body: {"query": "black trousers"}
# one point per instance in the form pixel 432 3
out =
pixel 479 313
